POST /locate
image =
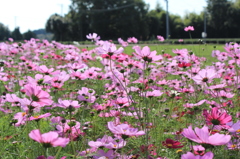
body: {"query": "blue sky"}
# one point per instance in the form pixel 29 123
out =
pixel 33 14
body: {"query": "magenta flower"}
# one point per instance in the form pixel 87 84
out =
pixel 49 139
pixel 189 28
pixel 189 155
pixel 217 117
pixel 203 136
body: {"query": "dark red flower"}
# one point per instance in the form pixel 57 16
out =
pixel 169 143
pixel 184 65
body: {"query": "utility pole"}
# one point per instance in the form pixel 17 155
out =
pixel 167 21
pixel 15 21
pixel 205 20
pixel 204 33
pixel 61 9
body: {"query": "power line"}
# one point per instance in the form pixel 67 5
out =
pixel 107 10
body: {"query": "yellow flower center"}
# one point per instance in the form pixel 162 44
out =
pixel 169 145
pixel 238 130
pixel 24 113
pixel 233 146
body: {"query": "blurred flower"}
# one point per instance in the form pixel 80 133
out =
pixel 203 136
pixel 189 155
pixel 160 38
pixel 49 139
pixel 189 28
pixel 93 37
pixel 169 143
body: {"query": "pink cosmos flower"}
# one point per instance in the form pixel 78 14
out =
pixel 108 142
pixel 203 136
pixel 189 28
pixel 39 79
pixel 38 117
pixel 205 76
pixel 46 71
pixel 191 105
pixel 198 150
pixel 217 117
pixel 181 52
pixel 37 95
pixel 189 155
pixel 68 104
pixel 109 48
pixel 160 38
pixel 21 118
pixel 93 37
pixel 132 40
pixel 155 93
pixel 49 139
pixel 124 129
pixel 70 129
pixel 223 94
pixel 49 157
pixel 234 145
pixel 122 102
pixel 13 99
pixel 123 43
pixel 146 54
pixel 234 127
pixel 180 40
pixel 103 155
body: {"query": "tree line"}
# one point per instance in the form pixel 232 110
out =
pixel 123 18
pixel 112 19
pixel 5 33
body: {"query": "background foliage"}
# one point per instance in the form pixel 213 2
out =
pixel 112 19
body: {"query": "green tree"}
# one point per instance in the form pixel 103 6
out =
pixel 59 26
pixel 176 26
pixel 28 35
pixel 4 32
pixel 218 20
pixel 16 34
pixel 197 21
pixel 157 22
pixel 109 18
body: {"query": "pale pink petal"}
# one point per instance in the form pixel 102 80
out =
pixel 36 135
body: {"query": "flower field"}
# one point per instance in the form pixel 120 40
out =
pixel 118 101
